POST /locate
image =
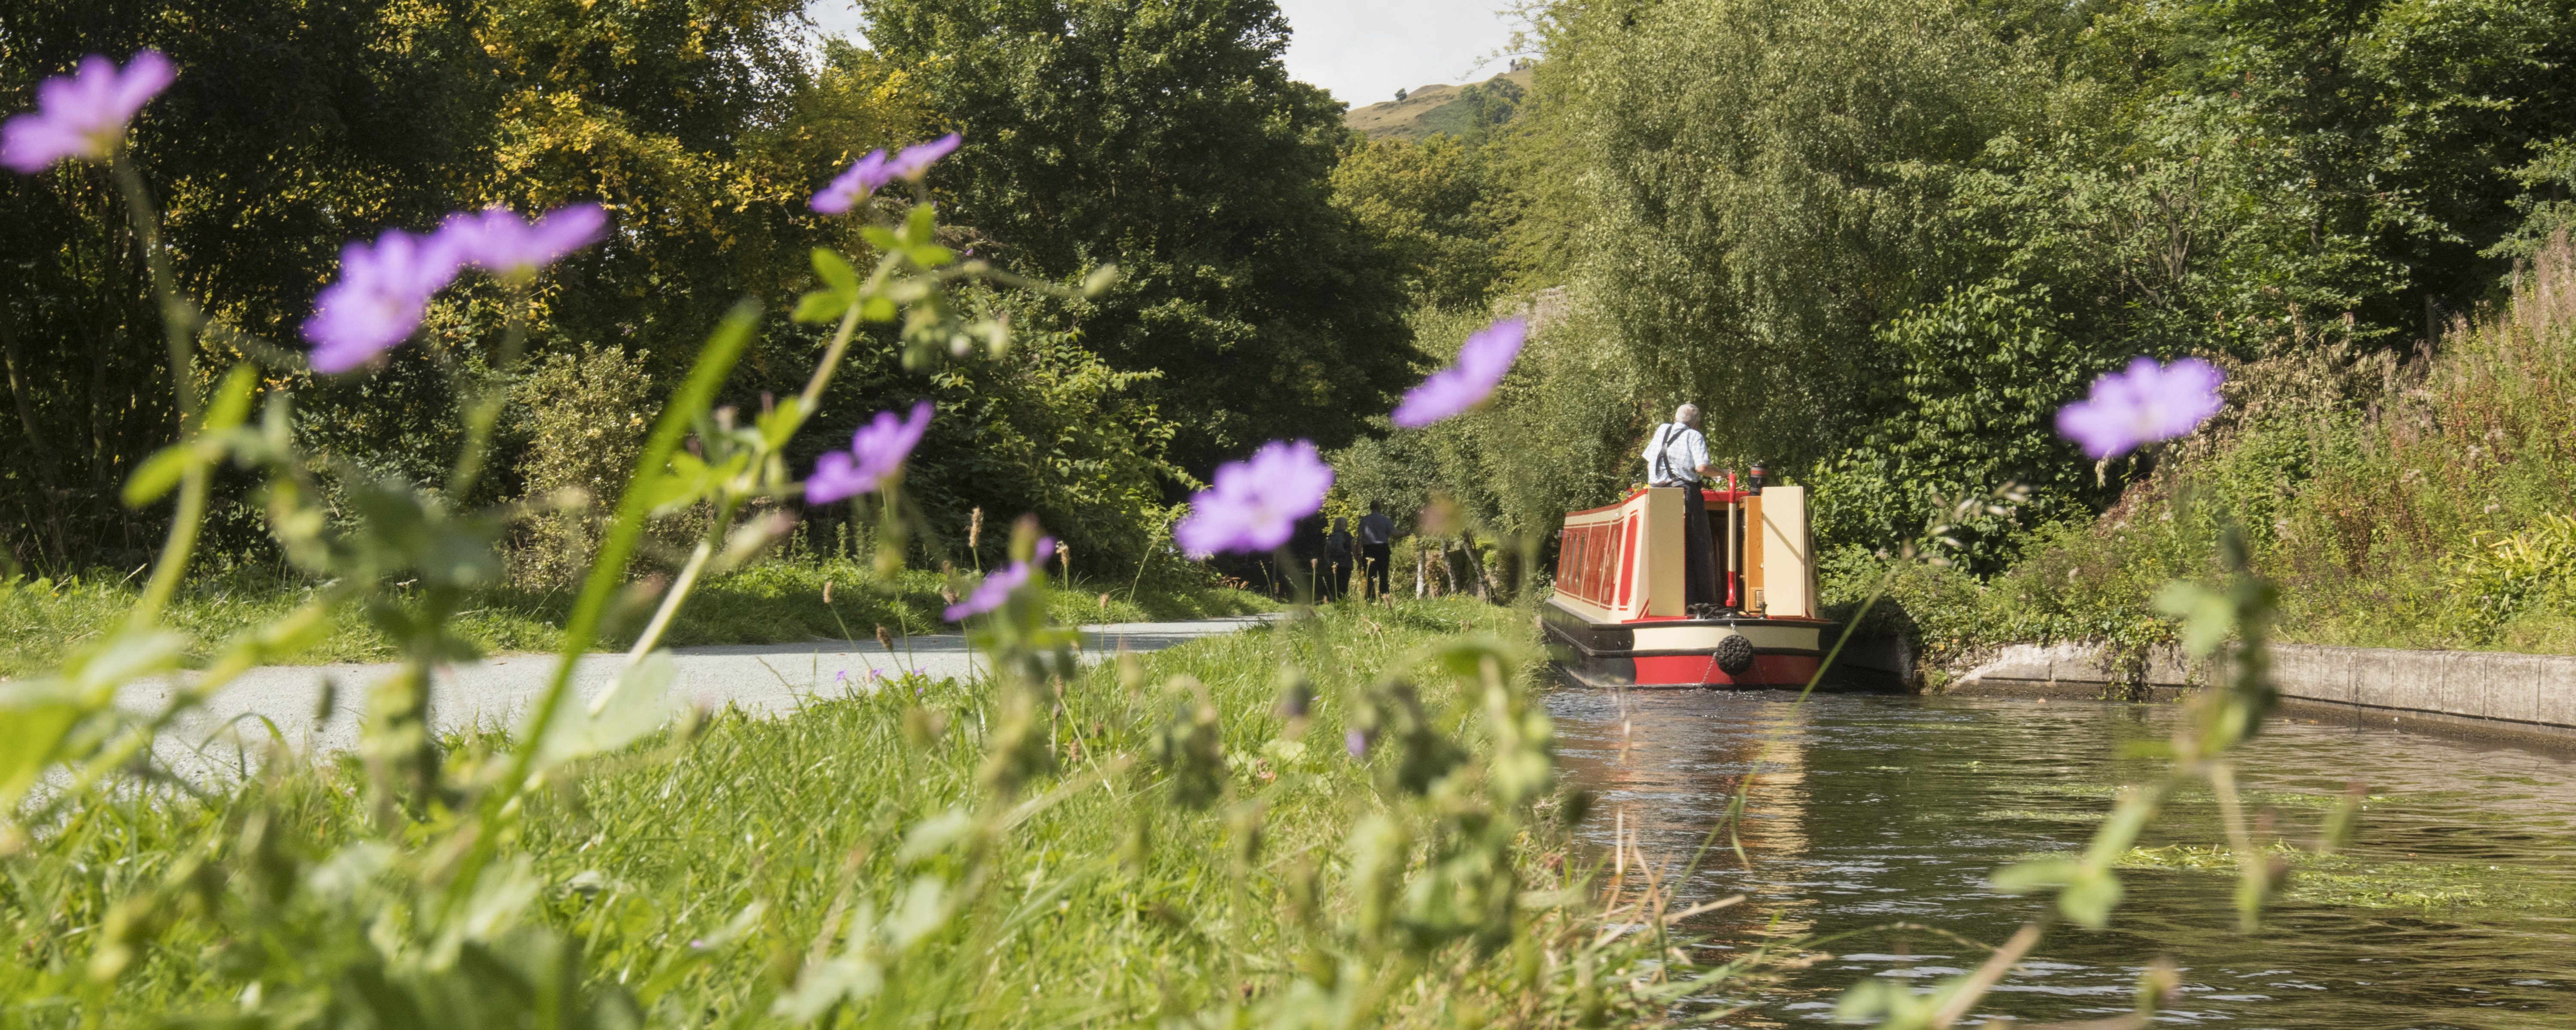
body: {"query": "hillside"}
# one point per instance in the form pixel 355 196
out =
pixel 1423 112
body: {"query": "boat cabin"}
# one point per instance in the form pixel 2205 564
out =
pixel 1619 616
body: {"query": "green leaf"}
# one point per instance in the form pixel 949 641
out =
pixel 684 480
pixel 1100 280
pixel 821 306
pixel 153 479
pixel 931 255
pixel 2089 900
pixel 232 399
pixel 128 656
pixel 877 309
pixel 638 704
pixel 881 238
pixel 920 225
pixel 34 719
pixel 2208 617
pixel 2035 875
pixel 834 271
pixel 934 835
pixel 781 422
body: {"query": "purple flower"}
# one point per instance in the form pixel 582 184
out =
pixel 379 298
pixel 854 185
pixel 500 242
pixel 2140 406
pixel 997 587
pixel 876 451
pixel 1482 360
pixel 1356 742
pixel 1255 504
pixel 83 115
pixel 915 160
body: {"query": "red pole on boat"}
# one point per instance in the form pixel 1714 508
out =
pixel 1734 523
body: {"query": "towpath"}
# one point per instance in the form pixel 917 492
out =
pixel 496 691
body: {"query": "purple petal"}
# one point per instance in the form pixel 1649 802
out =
pixel 853 185
pixel 990 594
pixel 1482 362
pixel 1355 742
pixel 883 443
pixel 2142 404
pixel 84 114
pixel 835 478
pixel 500 242
pixel 1254 504
pixel 378 301
pixel 917 159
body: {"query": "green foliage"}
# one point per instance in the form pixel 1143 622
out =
pixel 1877 242
pixel 1559 435
pixel 1165 137
pixel 585 425
pixel 292 129
pixel 2399 506
pixel 1429 201
pixel 1986 368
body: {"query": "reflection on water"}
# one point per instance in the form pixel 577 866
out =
pixel 2455 906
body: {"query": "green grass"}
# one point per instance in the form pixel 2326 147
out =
pixel 775 601
pixel 700 872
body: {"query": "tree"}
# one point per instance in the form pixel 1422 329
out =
pixel 1429 202
pixel 1164 136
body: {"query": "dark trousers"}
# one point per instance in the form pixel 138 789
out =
pixel 1375 558
pixel 1699 558
pixel 1337 577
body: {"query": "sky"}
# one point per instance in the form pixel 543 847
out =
pixel 1362 50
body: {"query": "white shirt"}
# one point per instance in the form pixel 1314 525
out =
pixel 1684 451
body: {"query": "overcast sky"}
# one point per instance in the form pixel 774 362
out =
pixel 1362 50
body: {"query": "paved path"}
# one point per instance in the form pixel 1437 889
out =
pixel 761 677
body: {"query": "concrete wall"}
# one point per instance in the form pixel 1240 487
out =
pixel 2486 691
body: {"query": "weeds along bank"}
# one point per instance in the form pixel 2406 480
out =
pixel 781 600
pixel 1309 824
pixel 2421 503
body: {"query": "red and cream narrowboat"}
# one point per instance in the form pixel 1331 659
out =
pixel 1618 617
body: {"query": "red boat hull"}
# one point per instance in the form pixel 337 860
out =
pixel 1678 653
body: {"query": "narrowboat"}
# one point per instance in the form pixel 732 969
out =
pixel 1618 617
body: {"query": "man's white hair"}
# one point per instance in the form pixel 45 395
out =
pixel 1686 413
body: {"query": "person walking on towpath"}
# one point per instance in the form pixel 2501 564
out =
pixel 1337 560
pixel 1678 456
pixel 1377 532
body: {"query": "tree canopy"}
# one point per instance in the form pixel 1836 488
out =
pixel 1165 137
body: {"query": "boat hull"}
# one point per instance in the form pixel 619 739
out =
pixel 1682 653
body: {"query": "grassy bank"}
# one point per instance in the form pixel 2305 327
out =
pixel 2421 503
pixel 701 874
pixel 775 601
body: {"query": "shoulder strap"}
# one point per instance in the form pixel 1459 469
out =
pixel 1663 460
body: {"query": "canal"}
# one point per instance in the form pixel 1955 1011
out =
pixel 2454 904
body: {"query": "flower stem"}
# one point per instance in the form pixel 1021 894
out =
pixel 823 369
pixel 176 550
pixel 670 606
pixel 178 317
pixel 178 329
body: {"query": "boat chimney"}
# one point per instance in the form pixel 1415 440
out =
pixel 1756 477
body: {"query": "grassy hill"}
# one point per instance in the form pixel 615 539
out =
pixel 1423 112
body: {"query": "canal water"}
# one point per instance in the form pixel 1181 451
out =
pixel 1872 824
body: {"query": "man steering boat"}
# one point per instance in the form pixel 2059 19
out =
pixel 1677 456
